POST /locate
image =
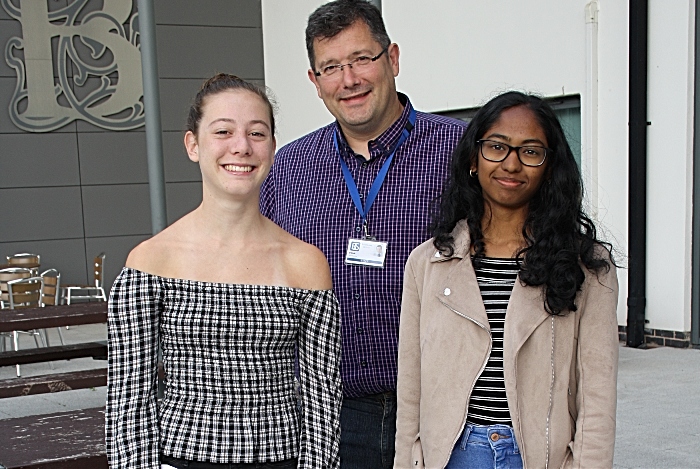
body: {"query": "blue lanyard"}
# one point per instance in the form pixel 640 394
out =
pixel 379 180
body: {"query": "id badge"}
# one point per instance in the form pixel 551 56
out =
pixel 367 252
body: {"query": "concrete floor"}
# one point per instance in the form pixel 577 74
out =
pixel 658 412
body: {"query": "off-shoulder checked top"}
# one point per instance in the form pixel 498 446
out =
pixel 229 358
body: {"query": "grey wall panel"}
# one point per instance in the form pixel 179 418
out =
pixel 7 90
pixel 8 28
pixel 176 96
pixel 93 6
pixel 182 197
pixel 91 84
pixel 41 213
pixel 233 50
pixel 65 255
pixel 113 157
pixel 116 248
pixel 84 126
pixel 36 160
pixel 178 166
pixel 245 13
pixel 116 210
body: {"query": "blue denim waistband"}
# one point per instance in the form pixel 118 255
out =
pixel 495 435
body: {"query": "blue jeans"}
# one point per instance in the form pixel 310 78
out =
pixel 368 431
pixel 481 447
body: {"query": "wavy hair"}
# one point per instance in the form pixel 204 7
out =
pixel 558 235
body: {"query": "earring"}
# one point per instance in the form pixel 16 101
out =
pixel 472 173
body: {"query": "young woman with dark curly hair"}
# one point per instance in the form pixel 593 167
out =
pixel 508 336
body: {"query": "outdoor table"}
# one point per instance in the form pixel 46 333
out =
pixel 48 317
pixel 52 316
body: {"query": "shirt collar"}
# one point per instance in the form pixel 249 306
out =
pixel 382 145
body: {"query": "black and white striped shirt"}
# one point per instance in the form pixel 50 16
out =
pixel 488 404
pixel 229 358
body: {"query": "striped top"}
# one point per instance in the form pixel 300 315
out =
pixel 488 404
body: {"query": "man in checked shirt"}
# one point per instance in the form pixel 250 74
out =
pixel 365 182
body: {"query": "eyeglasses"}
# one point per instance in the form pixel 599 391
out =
pixel 359 63
pixel 529 155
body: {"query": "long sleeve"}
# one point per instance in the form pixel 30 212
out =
pixel 321 389
pixel 131 418
pixel 596 371
pixel 408 387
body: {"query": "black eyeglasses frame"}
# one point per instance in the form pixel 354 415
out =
pixel 511 149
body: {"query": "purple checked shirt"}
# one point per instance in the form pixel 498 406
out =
pixel 306 195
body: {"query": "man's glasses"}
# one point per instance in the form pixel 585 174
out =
pixel 529 155
pixel 357 63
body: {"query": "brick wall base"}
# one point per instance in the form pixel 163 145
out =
pixel 660 337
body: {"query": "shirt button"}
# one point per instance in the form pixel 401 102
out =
pixel 360 330
pixel 362 196
pixel 364 364
pixel 357 228
pixel 447 292
pixel 357 296
pixel 364 165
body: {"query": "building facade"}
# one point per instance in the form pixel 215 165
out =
pixel 81 188
pixel 72 192
pixel 456 54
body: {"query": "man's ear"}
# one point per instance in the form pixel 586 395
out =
pixel 394 57
pixel 314 80
pixel 191 146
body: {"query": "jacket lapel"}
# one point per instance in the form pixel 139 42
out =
pixel 525 313
pixel 460 291
pixel 461 294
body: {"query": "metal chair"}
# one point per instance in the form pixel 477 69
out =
pixel 50 294
pixel 7 274
pixel 26 293
pixel 26 260
pixel 95 291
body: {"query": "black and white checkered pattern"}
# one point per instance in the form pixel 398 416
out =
pixel 228 353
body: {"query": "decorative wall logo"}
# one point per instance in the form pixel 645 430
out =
pixel 75 64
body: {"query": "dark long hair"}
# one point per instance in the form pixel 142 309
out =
pixel 559 237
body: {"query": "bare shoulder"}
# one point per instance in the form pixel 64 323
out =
pixel 306 265
pixel 154 255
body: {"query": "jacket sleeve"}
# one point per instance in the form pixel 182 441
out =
pixel 321 389
pixel 596 373
pixel 408 448
pixel 131 416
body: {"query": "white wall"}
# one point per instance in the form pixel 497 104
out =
pixel 459 53
pixel 286 63
pixel 670 170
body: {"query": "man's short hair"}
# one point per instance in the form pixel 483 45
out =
pixel 333 17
